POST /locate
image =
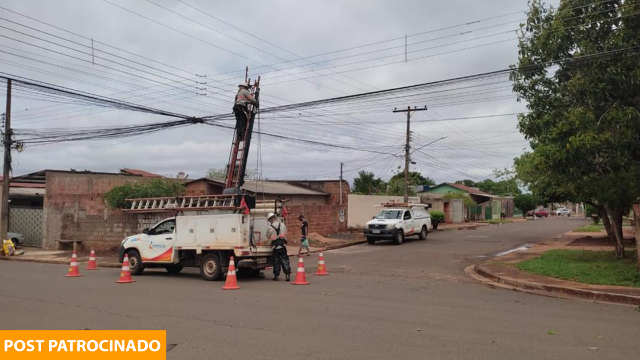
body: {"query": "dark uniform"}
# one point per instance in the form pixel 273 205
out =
pixel 240 110
pixel 280 256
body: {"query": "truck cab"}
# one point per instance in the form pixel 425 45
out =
pixel 396 223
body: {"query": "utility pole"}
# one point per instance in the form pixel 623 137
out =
pixel 6 180
pixel 407 147
pixel 341 165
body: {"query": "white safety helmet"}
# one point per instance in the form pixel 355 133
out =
pixel 270 215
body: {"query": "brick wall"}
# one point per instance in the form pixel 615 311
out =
pixel 330 187
pixel 323 219
pixel 74 210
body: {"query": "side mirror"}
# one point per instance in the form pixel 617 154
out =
pixel 145 231
pixel 373 217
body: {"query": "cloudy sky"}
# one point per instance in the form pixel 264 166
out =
pixel 187 56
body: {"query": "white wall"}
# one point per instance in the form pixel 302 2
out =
pixel 361 208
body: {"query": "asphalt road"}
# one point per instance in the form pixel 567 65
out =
pixel 380 302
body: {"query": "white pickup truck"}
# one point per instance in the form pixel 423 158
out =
pixel 395 223
pixel 204 239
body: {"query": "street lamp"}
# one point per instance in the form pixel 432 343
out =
pixel 406 168
pixel 423 146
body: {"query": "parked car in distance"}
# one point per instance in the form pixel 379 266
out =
pixel 541 213
pixel 16 239
pixel 563 212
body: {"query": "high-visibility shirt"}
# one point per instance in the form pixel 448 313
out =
pixel 244 96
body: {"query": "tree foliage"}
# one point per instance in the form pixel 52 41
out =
pixel 367 184
pixel 583 122
pixel 507 185
pixel 396 183
pixel 116 197
pixel 460 196
pixel 221 174
pixel 524 202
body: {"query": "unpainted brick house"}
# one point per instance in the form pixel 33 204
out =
pixel 73 208
pixel 318 200
pixel 72 205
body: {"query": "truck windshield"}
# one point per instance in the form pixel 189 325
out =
pixel 389 214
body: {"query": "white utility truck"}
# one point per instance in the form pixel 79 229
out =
pixel 396 221
pixel 205 232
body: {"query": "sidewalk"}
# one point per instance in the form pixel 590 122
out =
pixel 107 260
pixel 501 272
pixel 31 254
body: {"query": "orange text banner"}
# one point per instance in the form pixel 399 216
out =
pixel 82 344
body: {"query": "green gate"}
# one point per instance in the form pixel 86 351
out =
pixel 488 215
pixel 475 212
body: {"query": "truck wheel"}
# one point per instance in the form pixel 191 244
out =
pixel 135 262
pixel 423 233
pixel 399 237
pixel 210 268
pixel 174 268
pixel 371 240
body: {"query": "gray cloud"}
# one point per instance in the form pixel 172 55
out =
pixel 474 146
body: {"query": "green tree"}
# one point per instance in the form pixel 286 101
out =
pixel 116 197
pixel 366 184
pixel 221 174
pixel 583 89
pixel 396 183
pixel 467 182
pixel 524 202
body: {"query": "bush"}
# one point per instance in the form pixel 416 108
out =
pixel 592 212
pixel 116 197
pixel 436 218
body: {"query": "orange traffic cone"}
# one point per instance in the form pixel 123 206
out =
pixel 322 268
pixel 73 266
pixel 232 280
pixel 91 265
pixel 125 273
pixel 301 278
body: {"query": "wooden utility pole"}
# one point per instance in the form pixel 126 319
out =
pixel 341 165
pixel 407 147
pixel 6 180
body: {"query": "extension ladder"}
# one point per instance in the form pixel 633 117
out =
pixel 205 202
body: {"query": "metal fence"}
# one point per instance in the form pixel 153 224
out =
pixel 28 222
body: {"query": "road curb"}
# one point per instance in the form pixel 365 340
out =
pixel 55 262
pixel 535 287
pixel 341 246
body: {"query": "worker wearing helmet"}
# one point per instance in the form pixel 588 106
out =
pixel 241 108
pixel 276 233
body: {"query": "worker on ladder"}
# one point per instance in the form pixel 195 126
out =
pixel 244 97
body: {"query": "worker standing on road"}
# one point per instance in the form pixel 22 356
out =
pixel 241 108
pixel 304 230
pixel 277 232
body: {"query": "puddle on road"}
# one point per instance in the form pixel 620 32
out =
pixel 520 248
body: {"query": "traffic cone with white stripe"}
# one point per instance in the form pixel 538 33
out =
pixel 92 265
pixel 125 273
pixel 301 277
pixel 73 266
pixel 232 281
pixel 322 268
